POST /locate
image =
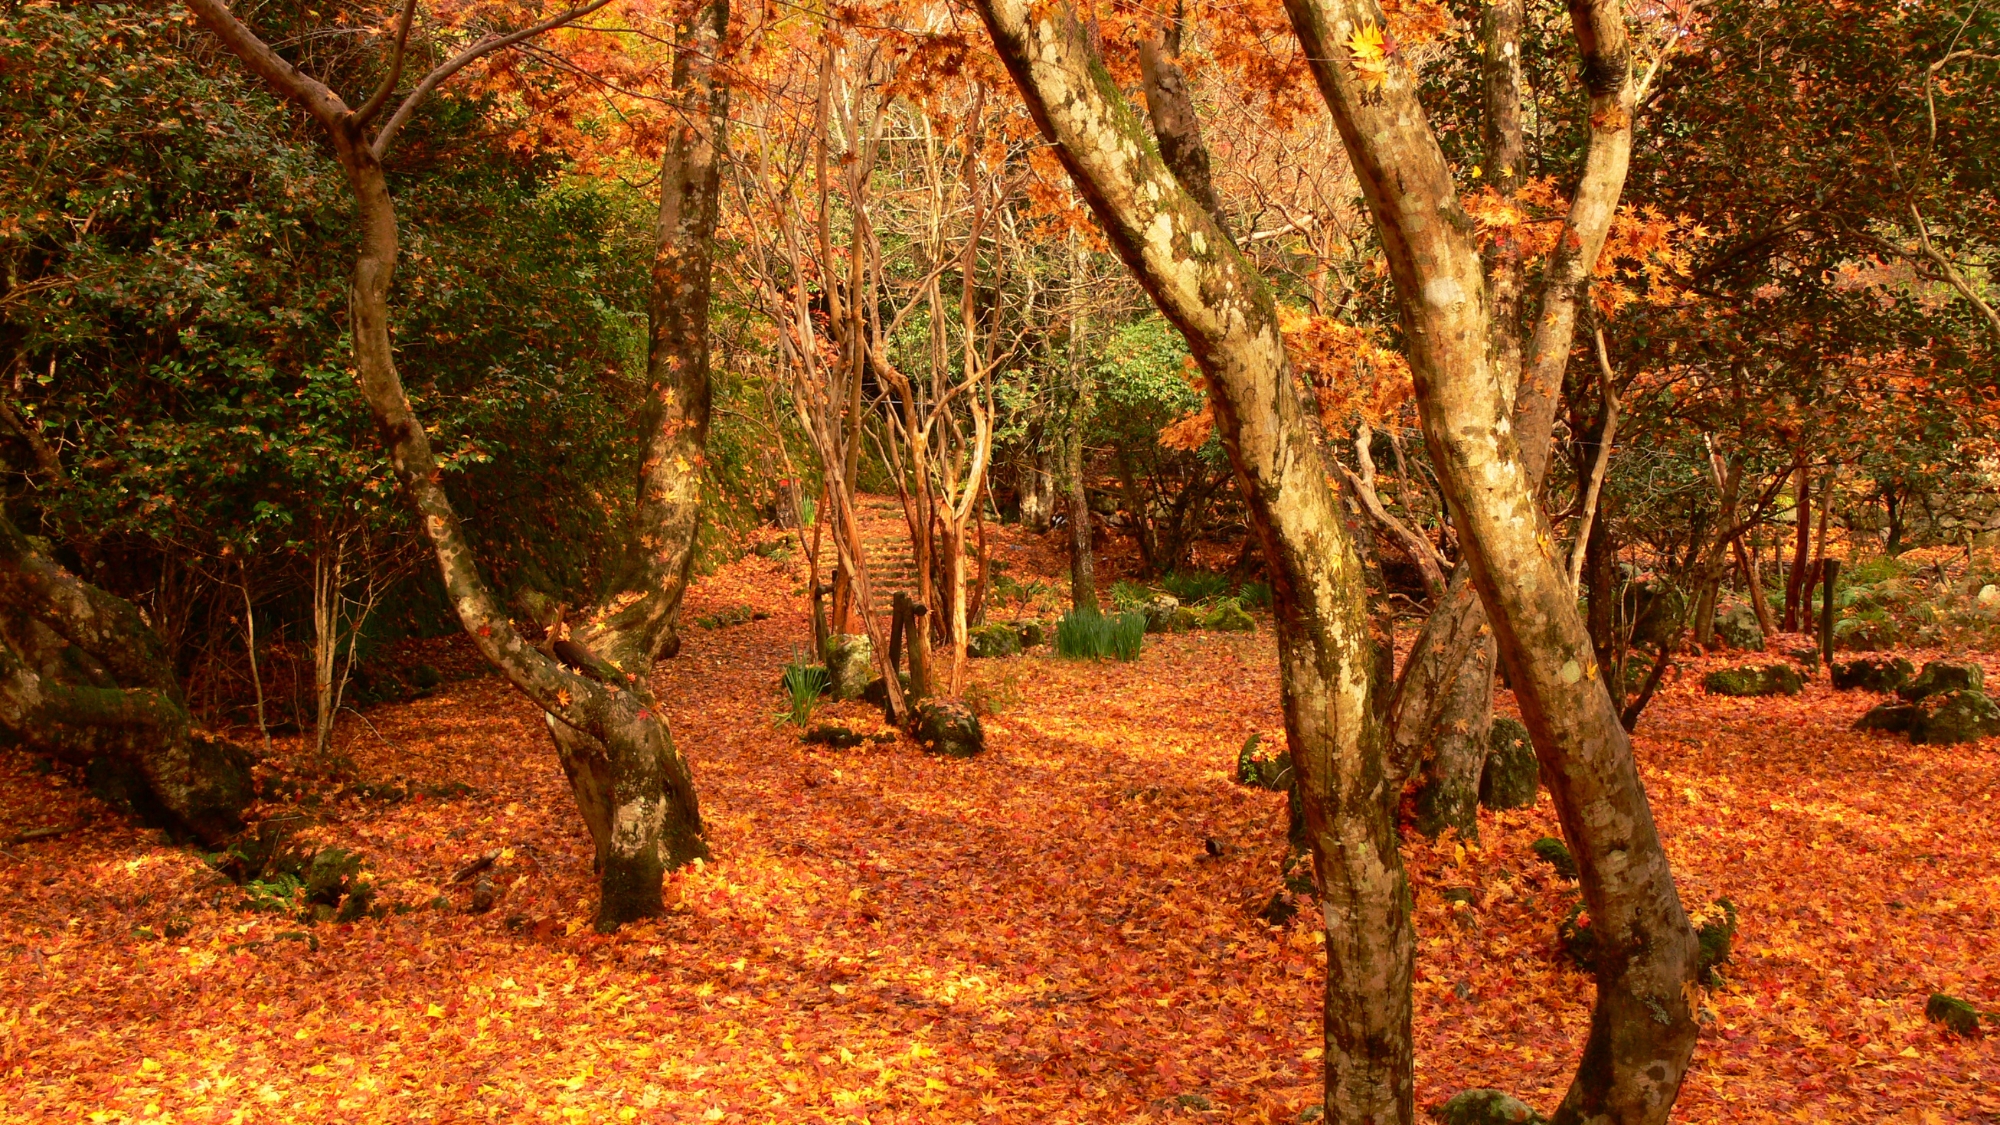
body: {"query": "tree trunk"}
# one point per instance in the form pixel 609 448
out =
pixel 1795 581
pixel 1082 557
pixel 1330 663
pixel 1448 794
pixel 1642 1027
pixel 83 680
pixel 634 788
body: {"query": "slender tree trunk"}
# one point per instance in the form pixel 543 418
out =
pixel 1642 1027
pixel 1795 582
pixel 1330 663
pixel 1082 556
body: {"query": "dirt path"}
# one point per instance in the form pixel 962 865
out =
pixel 1034 935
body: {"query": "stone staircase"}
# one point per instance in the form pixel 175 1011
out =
pixel 885 540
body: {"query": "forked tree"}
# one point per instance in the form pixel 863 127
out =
pixel 1160 223
pixel 591 678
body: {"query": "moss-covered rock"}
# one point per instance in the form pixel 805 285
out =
pixel 1165 614
pixel 1033 634
pixel 1555 853
pixel 1487 1107
pixel 837 735
pixel 1872 673
pixel 1262 765
pixel 1714 933
pixel 1896 718
pixel 1755 679
pixel 1737 627
pixel 942 726
pixel 1941 676
pixel 1955 716
pixel 850 664
pixel 990 641
pixel 1511 777
pixel 1229 617
pixel 1957 1016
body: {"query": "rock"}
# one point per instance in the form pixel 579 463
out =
pixel 1511 777
pixel 1737 627
pixel 835 735
pixel 1957 1016
pixel 1034 634
pixel 1872 673
pixel 1555 853
pixel 1229 617
pixel 1940 676
pixel 1895 718
pixel 1577 938
pixel 484 895
pixel 991 641
pixel 1807 658
pixel 1487 1107
pixel 1714 933
pixel 1755 679
pixel 1262 767
pixel 1955 716
pixel 942 726
pixel 850 664
pixel 1989 595
pixel 1162 611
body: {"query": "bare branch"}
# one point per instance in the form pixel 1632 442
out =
pixel 321 102
pixel 380 98
pixel 458 62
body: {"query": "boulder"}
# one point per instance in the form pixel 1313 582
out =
pixel 1263 767
pixel 942 726
pixel 1034 634
pixel 989 641
pixel 1872 673
pixel 850 664
pixel 1714 934
pixel 1511 777
pixel 1737 627
pixel 1555 853
pixel 1955 716
pixel 1940 676
pixel 1487 1107
pixel 1229 617
pixel 1755 679
pixel 1896 718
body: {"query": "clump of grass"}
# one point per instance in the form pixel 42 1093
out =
pixel 804 680
pixel 1254 595
pixel 1192 586
pixel 1129 595
pixel 1085 634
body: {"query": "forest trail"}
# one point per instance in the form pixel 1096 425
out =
pixel 885 540
pixel 1037 934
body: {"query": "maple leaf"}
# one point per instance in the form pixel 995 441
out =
pixel 1371 56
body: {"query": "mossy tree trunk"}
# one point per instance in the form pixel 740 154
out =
pixel 85 681
pixel 1330 662
pixel 1488 463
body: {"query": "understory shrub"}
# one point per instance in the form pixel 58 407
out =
pixel 1085 634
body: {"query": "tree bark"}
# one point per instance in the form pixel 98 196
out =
pixel 636 791
pixel 84 680
pixel 1642 1027
pixel 1795 581
pixel 1330 664
pixel 1082 556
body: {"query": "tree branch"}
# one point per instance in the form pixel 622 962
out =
pixel 380 97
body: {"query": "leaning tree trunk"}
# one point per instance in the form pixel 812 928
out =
pixel 84 680
pixel 633 622
pixel 1076 494
pixel 1329 661
pixel 638 776
pixel 1642 1026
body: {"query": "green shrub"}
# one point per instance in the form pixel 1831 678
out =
pixel 1192 586
pixel 1254 595
pixel 1129 595
pixel 805 680
pixel 1084 634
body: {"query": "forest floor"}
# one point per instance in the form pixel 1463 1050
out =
pixel 1037 934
